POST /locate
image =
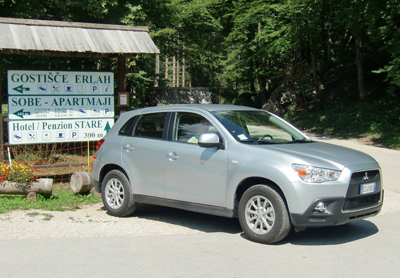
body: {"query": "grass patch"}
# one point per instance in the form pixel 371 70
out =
pixel 378 121
pixel 60 200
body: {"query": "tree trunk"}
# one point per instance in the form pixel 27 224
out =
pixel 360 76
pixel 157 70
pixel 183 73
pixel 42 186
pixel 262 82
pixel 314 65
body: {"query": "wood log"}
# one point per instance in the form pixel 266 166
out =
pixel 32 196
pixel 41 186
pixel 81 182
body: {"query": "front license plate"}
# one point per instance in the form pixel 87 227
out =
pixel 368 188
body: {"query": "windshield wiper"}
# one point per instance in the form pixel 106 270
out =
pixel 301 141
pixel 267 142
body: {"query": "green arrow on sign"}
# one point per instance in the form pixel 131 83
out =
pixel 107 128
pixel 21 89
pixel 21 113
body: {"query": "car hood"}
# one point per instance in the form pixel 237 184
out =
pixel 322 154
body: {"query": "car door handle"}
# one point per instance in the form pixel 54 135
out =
pixel 129 148
pixel 172 156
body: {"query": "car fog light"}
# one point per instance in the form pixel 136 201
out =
pixel 320 207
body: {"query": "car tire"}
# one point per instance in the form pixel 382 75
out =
pixel 263 215
pixel 117 194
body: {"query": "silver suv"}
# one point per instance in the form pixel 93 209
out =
pixel 234 161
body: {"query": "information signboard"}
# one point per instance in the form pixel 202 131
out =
pixel 54 106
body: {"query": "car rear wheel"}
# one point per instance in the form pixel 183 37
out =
pixel 116 194
pixel 263 215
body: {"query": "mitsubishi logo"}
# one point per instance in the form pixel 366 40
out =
pixel 365 176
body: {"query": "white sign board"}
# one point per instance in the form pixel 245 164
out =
pixel 38 131
pixel 54 106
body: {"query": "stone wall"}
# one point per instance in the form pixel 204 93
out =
pixel 178 95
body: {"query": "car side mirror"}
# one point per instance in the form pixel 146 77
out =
pixel 210 140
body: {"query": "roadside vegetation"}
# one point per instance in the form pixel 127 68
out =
pixel 62 199
pixel 329 66
pixel 375 123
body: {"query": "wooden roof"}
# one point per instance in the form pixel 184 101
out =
pixel 60 38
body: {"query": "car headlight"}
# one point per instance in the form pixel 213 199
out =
pixel 310 173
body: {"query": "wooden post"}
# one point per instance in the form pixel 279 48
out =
pixel 1 119
pixel 219 92
pixel 121 79
pixel 166 71
pixel 183 72
pixel 173 71
pixel 121 73
pixel 157 70
pixel 177 74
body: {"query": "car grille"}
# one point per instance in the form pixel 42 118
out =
pixel 361 202
pixel 360 176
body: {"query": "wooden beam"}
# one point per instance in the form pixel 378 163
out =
pixel 72 24
pixel 65 54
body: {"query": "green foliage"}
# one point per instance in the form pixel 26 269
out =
pixel 60 200
pixel 137 84
pixel 17 173
pixel 376 120
pixel 249 49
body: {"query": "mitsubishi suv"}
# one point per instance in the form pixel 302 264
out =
pixel 234 161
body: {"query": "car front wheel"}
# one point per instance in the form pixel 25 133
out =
pixel 116 194
pixel 263 215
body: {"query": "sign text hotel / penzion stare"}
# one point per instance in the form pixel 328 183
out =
pixel 59 106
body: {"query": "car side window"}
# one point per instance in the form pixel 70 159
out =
pixel 189 127
pixel 150 126
pixel 127 128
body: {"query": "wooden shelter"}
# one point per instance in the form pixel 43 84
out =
pixel 73 39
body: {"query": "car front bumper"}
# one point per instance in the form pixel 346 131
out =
pixel 339 211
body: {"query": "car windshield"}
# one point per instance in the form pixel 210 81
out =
pixel 259 127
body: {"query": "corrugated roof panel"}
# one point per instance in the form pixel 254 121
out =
pixel 113 43
pixel 35 38
pixel 124 42
pixel 135 41
pixel 6 40
pixel 141 41
pixel 102 41
pixel 74 40
pixel 35 35
pixel 15 37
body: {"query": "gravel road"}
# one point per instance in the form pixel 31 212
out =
pixel 93 220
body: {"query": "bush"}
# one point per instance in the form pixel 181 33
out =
pixel 17 172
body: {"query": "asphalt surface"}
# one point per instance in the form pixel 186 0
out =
pixel 216 247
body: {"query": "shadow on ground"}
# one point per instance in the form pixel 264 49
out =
pixel 332 235
pixel 192 220
pixel 215 224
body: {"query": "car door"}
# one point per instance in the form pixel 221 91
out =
pixel 143 154
pixel 191 173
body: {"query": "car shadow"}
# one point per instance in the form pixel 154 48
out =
pixel 212 224
pixel 332 235
pixel 192 220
